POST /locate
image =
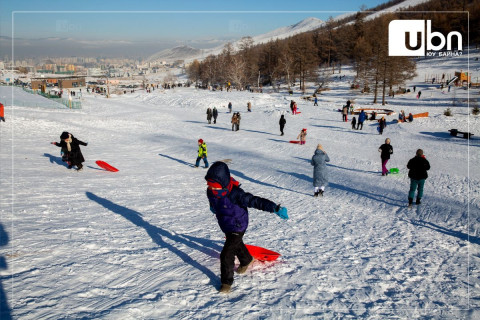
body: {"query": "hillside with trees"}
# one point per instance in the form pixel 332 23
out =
pixel 354 40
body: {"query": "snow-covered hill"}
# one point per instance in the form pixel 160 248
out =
pixel 176 53
pixel 142 243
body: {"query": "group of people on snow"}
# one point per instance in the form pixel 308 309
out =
pixel 236 121
pixel 230 203
pixel 212 114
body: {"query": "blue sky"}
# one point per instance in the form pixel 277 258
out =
pixel 164 22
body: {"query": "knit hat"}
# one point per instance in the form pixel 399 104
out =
pixel 64 135
pixel 200 140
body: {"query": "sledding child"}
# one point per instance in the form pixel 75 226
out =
pixel 385 151
pixel 302 136
pixel 319 163
pixel 71 150
pixel 202 153
pixel 230 205
pixel 354 123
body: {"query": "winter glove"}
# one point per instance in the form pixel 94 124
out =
pixel 53 142
pixel 281 212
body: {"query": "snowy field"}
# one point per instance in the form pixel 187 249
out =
pixel 142 244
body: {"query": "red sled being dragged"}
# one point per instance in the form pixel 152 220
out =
pixel 294 141
pixel 262 254
pixel 106 166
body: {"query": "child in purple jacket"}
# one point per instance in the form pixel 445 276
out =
pixel 229 203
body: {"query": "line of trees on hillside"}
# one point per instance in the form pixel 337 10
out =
pixel 314 56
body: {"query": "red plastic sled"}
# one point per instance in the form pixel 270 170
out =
pixel 262 254
pixel 294 141
pixel 106 166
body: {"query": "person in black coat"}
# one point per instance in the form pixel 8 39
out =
pixel 282 123
pixel 71 150
pixel 418 166
pixel 385 150
pixel 382 123
pixel 215 114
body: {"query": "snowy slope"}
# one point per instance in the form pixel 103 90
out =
pixel 176 53
pixel 142 244
pixel 305 25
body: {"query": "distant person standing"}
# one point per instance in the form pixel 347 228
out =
pixel 319 163
pixel 229 105
pixel 419 94
pixel 282 123
pixel 354 122
pixel 414 88
pixel 215 114
pixel 345 111
pixel 249 106
pixel 361 118
pixel 2 112
pixel 315 101
pixel 209 115
pixel 418 167
pixel 385 151
pixel 382 123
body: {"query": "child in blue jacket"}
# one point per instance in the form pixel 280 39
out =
pixel 229 203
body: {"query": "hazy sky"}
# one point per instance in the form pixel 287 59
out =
pixel 141 28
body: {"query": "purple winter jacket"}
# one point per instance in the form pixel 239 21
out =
pixel 231 208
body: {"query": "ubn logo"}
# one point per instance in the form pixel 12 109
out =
pixel 408 38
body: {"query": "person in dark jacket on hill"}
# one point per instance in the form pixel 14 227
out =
pixel 209 115
pixel 385 151
pixel 361 118
pixel 418 166
pixel 282 123
pixel 382 123
pixel 71 150
pixel 215 114
pixel 230 205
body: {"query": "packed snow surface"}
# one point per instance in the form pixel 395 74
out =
pixel 141 243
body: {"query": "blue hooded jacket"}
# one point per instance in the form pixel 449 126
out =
pixel 231 203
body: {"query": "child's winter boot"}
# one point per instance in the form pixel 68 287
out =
pixel 410 201
pixel 418 201
pixel 243 269
pixel 225 288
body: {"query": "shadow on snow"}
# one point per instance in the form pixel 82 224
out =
pixel 178 160
pixel 373 196
pixel 457 234
pixel 5 312
pixel 158 235
pixel 55 159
